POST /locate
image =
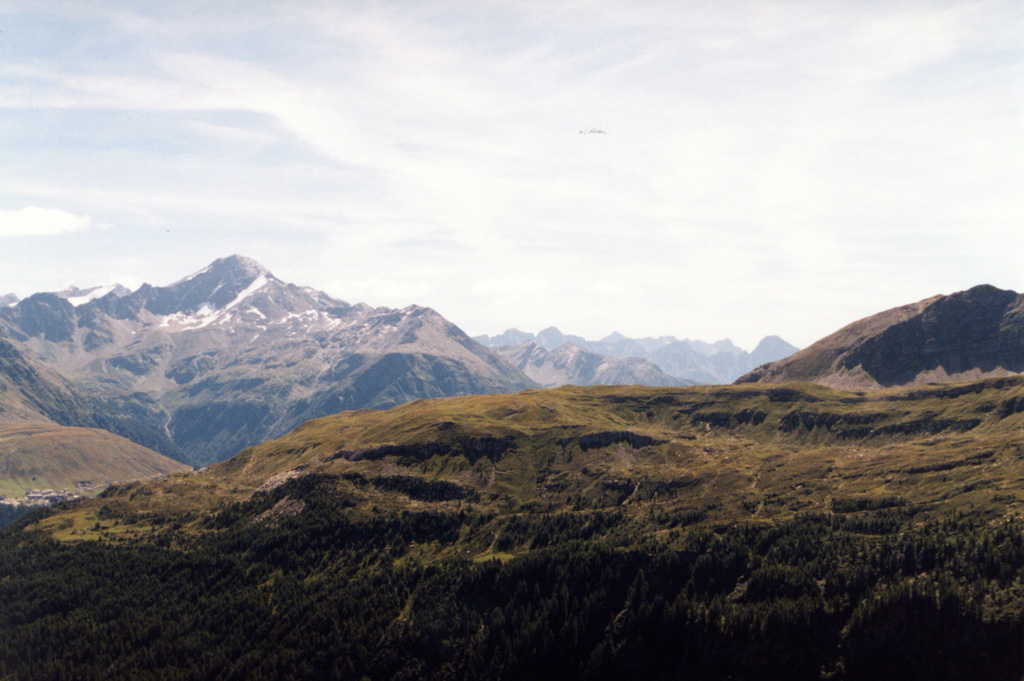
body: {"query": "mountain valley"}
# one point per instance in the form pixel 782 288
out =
pixel 46 456
pixel 42 449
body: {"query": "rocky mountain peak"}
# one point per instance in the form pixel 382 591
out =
pixel 240 265
pixel 613 337
pixel 509 337
pixel 551 338
pixel 46 315
pixel 214 287
pixel 234 269
pixel 772 348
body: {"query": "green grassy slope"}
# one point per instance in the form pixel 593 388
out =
pixel 724 453
pixel 41 455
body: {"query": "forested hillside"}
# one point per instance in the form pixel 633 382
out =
pixel 596 595
pixel 740 532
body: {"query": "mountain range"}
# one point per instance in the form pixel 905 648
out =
pixel 692 361
pixel 231 355
pixel 569 364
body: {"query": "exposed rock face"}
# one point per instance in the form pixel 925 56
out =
pixel 231 355
pixel 572 365
pixel 472 448
pixel 971 334
pixel 611 437
pixel 680 362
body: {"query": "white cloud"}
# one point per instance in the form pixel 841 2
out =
pixel 35 221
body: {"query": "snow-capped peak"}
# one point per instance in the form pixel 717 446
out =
pixel 87 295
pixel 231 267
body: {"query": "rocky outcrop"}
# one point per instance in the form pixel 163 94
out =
pixel 858 426
pixel 611 437
pixel 473 449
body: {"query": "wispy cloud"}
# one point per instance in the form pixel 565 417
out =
pixel 827 156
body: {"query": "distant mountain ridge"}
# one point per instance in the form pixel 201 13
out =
pixel 694 361
pixel 231 355
pixel 977 333
pixel 570 364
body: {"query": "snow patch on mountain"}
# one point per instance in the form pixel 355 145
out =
pixel 91 294
pixel 208 314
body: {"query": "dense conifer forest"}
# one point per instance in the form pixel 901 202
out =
pixel 592 595
pixel 9 513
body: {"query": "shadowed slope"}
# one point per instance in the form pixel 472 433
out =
pixel 971 334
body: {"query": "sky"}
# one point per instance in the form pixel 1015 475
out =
pixel 704 169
